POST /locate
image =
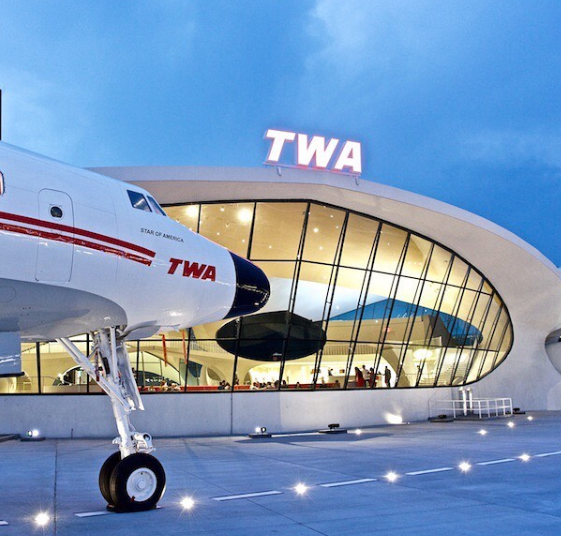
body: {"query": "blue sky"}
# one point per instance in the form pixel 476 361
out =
pixel 456 100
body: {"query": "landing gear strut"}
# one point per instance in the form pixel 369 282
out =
pixel 131 479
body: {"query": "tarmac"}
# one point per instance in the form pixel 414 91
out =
pixel 400 480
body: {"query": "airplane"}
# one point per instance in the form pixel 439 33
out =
pixel 84 253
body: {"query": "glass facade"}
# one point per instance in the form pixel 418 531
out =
pixel 356 303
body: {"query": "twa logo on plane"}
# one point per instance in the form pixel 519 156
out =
pixel 193 269
pixel 315 153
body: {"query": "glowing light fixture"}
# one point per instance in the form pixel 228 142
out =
pixel 42 519
pixel 32 433
pixel 301 488
pixel 260 432
pixel 245 215
pixel 358 431
pixel 464 467
pixel 316 230
pixel 530 418
pixel 482 432
pixel 391 476
pixel 187 503
pixel 525 457
pixel 510 424
pixel 393 419
pixel 192 211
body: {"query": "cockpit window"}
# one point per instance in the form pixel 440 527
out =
pixel 138 201
pixel 155 206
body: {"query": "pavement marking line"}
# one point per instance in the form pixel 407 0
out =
pixel 92 514
pixel 247 495
pixel 2 523
pixel 545 454
pixel 428 471
pixel 494 462
pixel 348 483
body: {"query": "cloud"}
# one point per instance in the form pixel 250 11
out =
pixel 377 38
pixel 512 148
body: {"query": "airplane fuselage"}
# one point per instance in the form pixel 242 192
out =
pixel 80 252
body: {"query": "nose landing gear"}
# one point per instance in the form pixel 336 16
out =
pixel 130 480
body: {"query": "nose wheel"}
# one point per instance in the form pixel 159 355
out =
pixel 133 484
pixel 130 480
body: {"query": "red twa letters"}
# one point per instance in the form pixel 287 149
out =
pixel 193 269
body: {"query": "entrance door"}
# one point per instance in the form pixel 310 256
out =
pixel 55 249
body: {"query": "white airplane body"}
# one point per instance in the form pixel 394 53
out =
pixel 86 253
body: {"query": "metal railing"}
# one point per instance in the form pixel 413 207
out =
pixel 482 407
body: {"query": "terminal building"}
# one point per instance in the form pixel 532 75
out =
pixel 383 304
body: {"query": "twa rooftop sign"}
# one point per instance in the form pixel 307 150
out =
pixel 315 152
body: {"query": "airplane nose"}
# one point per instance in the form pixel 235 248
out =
pixel 252 288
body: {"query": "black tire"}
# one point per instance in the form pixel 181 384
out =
pixel 145 468
pixel 105 474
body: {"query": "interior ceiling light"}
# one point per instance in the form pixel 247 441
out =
pixel 192 211
pixel 244 215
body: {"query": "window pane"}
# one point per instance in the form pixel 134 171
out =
pixel 29 382
pixel 159 371
pixel 138 201
pixel 324 230
pixel 440 261
pixel 211 368
pixel 187 215
pixel 390 248
pixel 313 286
pixel 155 207
pixel 458 273
pixel 278 229
pixel 259 375
pixel 418 251
pixel 359 238
pixel 228 225
pixel 59 372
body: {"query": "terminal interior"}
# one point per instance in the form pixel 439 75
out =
pixel 356 303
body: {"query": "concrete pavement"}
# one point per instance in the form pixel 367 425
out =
pixel 502 496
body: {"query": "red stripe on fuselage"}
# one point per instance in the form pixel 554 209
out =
pixel 76 230
pixel 72 240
